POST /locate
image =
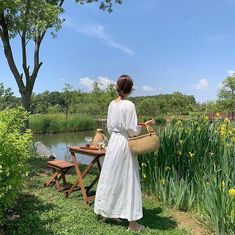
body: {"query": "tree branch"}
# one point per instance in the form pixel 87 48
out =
pixel 37 64
pixel 8 52
pixel 61 3
pixel 23 44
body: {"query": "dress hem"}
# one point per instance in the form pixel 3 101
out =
pixel 120 216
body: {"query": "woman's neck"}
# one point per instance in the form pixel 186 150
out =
pixel 119 98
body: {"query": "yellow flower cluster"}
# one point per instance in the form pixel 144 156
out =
pixel 191 154
pixel 218 115
pixel 233 139
pixel 223 130
pixel 226 120
pixel 206 118
pixel 222 183
pixel 162 181
pixel 181 141
pixel 232 192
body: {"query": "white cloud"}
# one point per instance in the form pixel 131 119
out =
pixel 87 82
pixel 231 72
pixel 103 82
pixel 203 84
pixel 98 31
pixel 147 88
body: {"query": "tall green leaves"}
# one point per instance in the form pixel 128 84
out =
pixel 194 169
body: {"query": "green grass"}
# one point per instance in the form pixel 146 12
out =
pixel 44 211
pixel 232 124
pixel 56 123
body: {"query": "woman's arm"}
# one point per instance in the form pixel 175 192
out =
pixel 149 122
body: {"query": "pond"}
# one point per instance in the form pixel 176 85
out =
pixel 57 144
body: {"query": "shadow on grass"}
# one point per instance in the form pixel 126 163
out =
pixel 37 165
pixel 27 217
pixel 154 220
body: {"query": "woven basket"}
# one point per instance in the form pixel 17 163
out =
pixel 144 143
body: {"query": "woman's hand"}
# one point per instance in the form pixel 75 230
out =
pixel 149 122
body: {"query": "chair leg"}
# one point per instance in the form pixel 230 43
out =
pixel 57 184
pixel 46 184
pixel 57 176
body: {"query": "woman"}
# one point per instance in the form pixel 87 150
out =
pixel 118 192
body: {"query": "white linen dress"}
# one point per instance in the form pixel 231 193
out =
pixel 118 193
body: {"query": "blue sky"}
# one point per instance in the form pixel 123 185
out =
pixel 166 46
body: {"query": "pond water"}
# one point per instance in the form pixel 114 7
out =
pixel 57 144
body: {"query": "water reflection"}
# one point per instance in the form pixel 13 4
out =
pixel 58 143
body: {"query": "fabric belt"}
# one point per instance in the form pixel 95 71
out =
pixel 121 132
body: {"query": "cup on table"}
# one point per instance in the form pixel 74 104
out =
pixel 100 144
pixel 88 140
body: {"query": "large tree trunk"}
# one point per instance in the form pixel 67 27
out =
pixel 26 102
pixel 26 99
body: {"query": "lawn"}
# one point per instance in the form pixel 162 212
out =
pixel 42 211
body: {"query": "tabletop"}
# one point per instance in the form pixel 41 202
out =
pixel 90 152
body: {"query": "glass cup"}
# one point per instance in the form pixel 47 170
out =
pixel 100 144
pixel 88 140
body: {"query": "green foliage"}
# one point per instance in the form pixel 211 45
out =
pixel 7 100
pixel 226 94
pixel 176 103
pixel 70 101
pixel 160 121
pixel 194 169
pixel 54 123
pixel 14 152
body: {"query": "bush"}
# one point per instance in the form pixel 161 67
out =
pixel 14 152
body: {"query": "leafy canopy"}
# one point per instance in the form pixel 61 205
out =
pixel 34 17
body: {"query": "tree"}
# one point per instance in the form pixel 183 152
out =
pixel 30 20
pixel 70 97
pixel 7 100
pixel 226 94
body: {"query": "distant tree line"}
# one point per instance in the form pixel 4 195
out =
pixel 97 100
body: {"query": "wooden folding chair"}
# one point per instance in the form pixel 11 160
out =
pixel 60 168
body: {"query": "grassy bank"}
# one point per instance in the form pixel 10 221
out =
pixel 55 123
pixel 41 211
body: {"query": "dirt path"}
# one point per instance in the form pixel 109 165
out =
pixel 190 223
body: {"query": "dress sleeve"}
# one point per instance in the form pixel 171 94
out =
pixel 131 121
pixel 109 120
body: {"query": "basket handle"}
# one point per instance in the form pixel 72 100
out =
pixel 149 129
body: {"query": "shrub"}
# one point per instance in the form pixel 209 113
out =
pixel 14 152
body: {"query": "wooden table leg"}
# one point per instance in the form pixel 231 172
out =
pixel 79 180
pixel 80 175
pixel 89 167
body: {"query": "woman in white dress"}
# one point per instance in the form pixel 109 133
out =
pixel 118 192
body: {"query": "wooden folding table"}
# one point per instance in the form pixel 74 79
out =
pixel 96 154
